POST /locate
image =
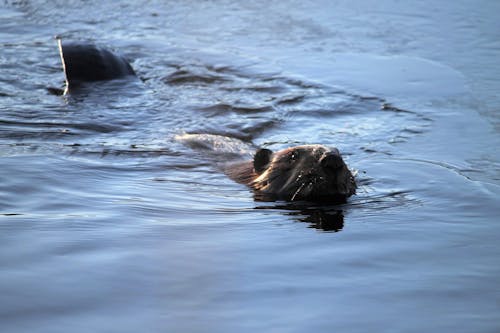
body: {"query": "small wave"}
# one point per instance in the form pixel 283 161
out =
pixel 224 108
pixel 25 128
pixel 290 99
pixel 187 76
pixel 261 88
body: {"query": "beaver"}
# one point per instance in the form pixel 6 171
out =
pixel 307 172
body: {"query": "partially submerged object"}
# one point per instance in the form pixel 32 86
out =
pixel 300 173
pixel 85 62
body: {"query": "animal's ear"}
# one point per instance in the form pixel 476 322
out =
pixel 261 159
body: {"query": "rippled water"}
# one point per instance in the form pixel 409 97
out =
pixel 108 223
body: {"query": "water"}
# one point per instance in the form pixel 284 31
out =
pixel 108 223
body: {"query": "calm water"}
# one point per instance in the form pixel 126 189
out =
pixel 108 224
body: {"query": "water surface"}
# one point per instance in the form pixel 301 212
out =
pixel 108 223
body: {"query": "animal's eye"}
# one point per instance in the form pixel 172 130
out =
pixel 294 156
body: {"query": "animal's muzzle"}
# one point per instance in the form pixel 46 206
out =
pixel 332 160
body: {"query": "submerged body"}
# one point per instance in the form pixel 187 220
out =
pixel 306 172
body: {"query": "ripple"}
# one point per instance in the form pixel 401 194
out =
pixel 93 127
pixel 190 77
pixel 224 108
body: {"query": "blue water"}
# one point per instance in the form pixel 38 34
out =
pixel 110 224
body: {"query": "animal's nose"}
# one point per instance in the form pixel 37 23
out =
pixel 331 160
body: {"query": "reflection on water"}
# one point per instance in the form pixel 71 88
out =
pixel 320 218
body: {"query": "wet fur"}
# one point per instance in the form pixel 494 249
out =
pixel 310 172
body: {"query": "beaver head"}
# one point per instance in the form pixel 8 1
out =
pixel 309 172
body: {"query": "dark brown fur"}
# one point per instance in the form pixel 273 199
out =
pixel 309 172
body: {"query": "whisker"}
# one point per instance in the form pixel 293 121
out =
pixel 298 190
